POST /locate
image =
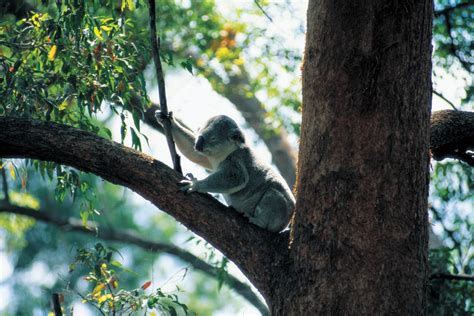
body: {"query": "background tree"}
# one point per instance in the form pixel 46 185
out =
pixel 220 50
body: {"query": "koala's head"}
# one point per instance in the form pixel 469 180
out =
pixel 219 135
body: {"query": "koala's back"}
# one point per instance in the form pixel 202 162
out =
pixel 261 178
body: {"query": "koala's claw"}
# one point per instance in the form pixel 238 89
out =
pixel 190 176
pixel 187 186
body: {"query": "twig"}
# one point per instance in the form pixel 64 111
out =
pixel 5 186
pixel 455 277
pixel 439 94
pixel 89 302
pixel 263 11
pixel 57 305
pixel 155 48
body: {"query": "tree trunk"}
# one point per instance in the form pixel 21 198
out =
pixel 360 231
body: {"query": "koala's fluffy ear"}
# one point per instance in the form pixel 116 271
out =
pixel 237 136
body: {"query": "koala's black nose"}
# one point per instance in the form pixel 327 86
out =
pixel 199 143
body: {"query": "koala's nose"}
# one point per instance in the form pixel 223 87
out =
pixel 199 143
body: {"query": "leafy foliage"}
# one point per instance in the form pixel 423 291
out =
pixel 106 295
pixel 448 297
pixel 451 211
pixel 453 45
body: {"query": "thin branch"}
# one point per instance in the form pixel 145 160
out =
pixel 261 9
pixel 454 277
pixel 155 48
pixel 439 94
pixel 56 305
pixel 129 237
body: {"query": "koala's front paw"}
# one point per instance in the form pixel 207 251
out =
pixel 189 186
pixel 160 116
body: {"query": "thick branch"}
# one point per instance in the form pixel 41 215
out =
pixel 452 135
pixel 129 237
pixel 252 249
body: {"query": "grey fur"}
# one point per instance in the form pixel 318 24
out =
pixel 247 184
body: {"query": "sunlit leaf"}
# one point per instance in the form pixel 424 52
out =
pixel 98 33
pixel 52 53
pixel 106 28
pixel 103 298
pixel 131 5
pixel 12 171
pixel 84 217
pixel 98 290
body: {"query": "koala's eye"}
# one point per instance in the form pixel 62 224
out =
pixel 213 139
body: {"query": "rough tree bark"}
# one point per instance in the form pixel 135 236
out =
pixel 360 230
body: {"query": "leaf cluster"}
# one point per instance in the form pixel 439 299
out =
pixel 103 273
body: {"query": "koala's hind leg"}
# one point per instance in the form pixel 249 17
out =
pixel 272 212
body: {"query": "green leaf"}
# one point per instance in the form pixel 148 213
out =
pixel 136 143
pixel 84 217
pixel 123 131
pixel 136 119
pixel 187 65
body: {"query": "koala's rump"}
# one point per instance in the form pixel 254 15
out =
pixel 261 179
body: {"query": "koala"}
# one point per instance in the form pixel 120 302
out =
pixel 247 184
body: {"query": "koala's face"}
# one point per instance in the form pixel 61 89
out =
pixel 220 134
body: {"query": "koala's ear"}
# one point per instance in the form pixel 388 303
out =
pixel 237 136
